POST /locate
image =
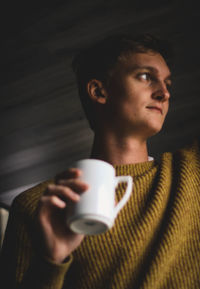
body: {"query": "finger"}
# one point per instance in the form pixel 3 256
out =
pixel 76 185
pixel 62 192
pixel 53 200
pixel 68 174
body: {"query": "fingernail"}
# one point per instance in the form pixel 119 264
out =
pixel 77 197
pixel 51 186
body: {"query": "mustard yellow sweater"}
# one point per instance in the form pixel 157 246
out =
pixel 155 242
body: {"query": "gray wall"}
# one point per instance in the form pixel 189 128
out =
pixel 43 128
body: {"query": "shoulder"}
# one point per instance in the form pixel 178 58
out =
pixel 185 160
pixel 189 153
pixel 188 156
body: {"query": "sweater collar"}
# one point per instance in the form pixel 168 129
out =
pixel 135 170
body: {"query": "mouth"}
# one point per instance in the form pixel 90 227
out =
pixel 155 109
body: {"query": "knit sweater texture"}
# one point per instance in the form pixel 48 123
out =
pixel 154 243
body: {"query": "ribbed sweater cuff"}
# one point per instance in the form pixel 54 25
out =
pixel 45 274
pixel 54 272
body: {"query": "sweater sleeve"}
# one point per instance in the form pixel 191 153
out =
pixel 21 265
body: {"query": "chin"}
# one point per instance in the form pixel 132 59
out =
pixel 154 129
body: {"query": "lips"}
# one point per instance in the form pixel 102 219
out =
pixel 155 108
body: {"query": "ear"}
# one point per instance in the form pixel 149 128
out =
pixel 96 91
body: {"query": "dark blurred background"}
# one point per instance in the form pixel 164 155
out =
pixel 43 128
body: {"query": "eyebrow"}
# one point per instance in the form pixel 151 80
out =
pixel 151 68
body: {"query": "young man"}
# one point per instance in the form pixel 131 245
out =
pixel 124 88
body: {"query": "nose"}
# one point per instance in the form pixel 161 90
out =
pixel 161 92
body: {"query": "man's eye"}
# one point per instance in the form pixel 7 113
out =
pixel 145 76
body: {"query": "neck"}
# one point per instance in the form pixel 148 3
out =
pixel 119 150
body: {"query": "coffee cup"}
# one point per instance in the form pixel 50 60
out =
pixel 96 210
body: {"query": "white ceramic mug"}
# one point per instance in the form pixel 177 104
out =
pixel 96 211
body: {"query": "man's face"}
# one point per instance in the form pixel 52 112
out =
pixel 138 96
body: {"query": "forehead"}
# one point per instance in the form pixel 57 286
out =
pixel 151 60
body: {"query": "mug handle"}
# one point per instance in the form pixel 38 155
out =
pixel 127 194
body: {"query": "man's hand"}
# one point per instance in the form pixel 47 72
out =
pixel 59 241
